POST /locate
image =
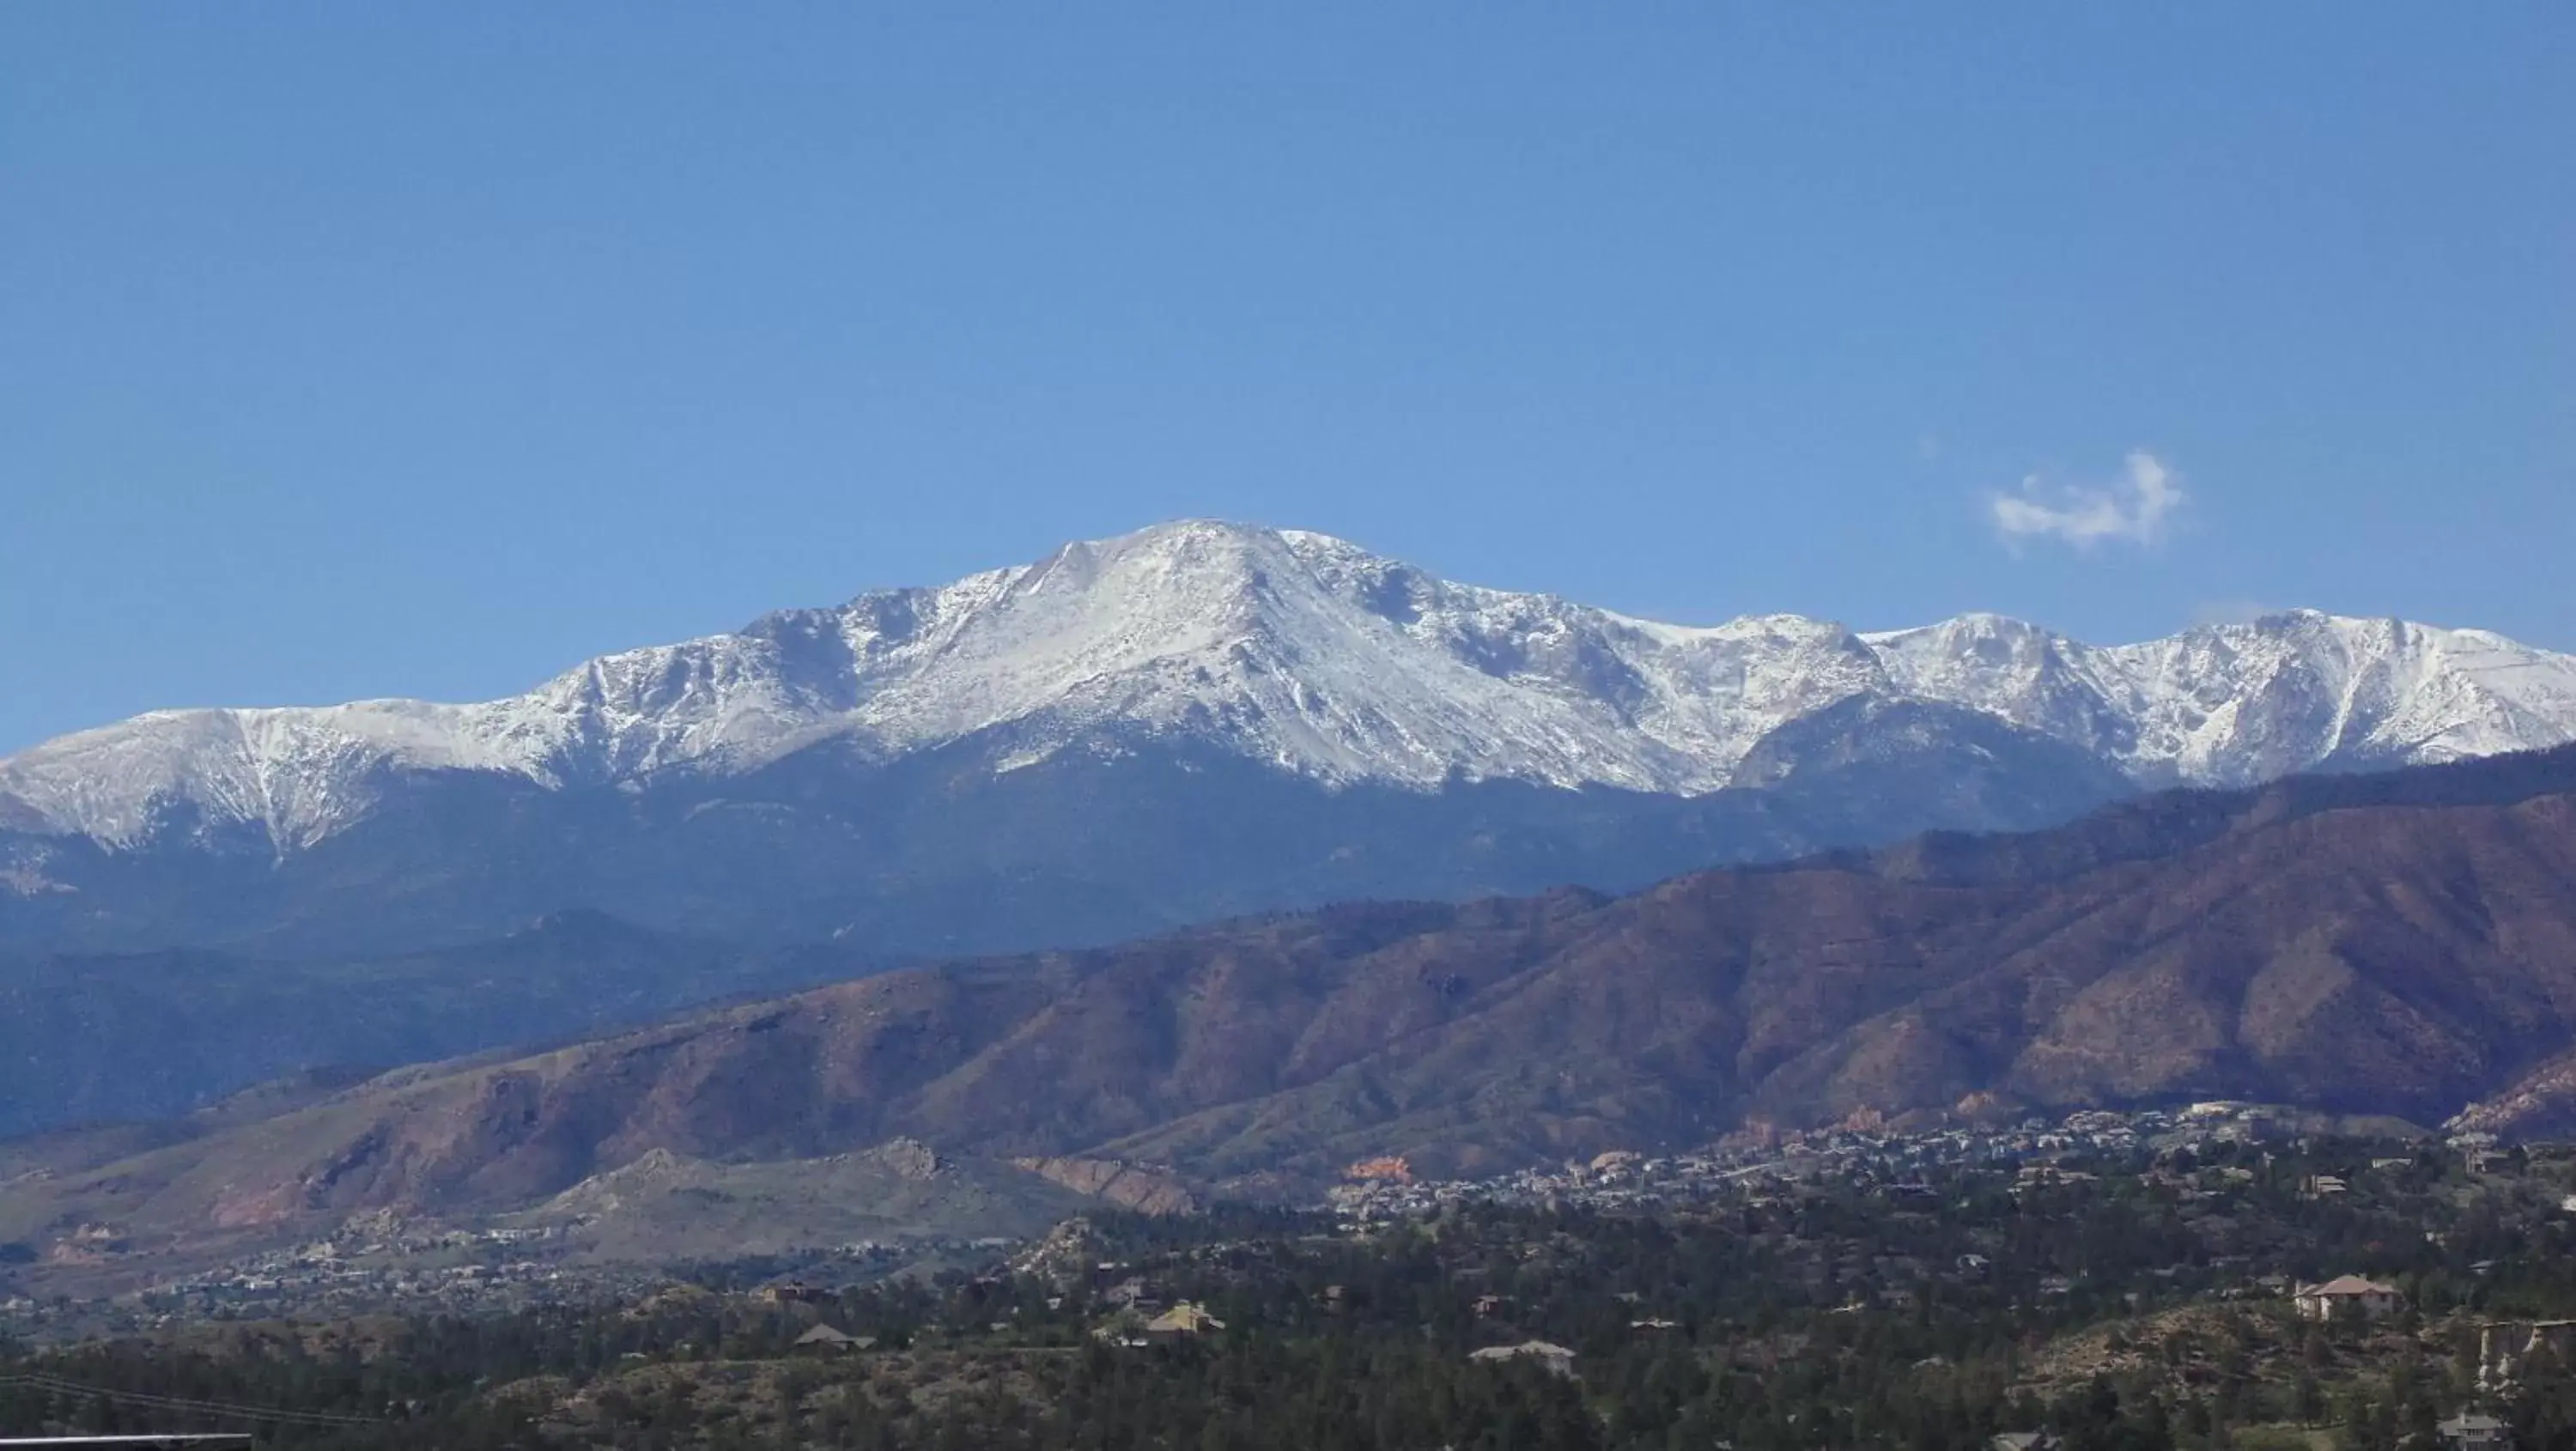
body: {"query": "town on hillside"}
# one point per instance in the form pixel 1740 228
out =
pixel 2220 1275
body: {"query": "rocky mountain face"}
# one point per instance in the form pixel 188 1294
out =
pixel 1197 719
pixel 2400 944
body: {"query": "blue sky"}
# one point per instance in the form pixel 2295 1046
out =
pixel 368 350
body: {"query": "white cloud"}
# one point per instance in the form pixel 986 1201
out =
pixel 2133 509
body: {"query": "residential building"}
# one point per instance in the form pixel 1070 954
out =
pixel 2346 1293
pixel 2475 1431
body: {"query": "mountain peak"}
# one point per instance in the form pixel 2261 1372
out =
pixel 1307 654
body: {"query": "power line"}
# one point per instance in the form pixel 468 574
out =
pixel 62 1386
pixel 38 1380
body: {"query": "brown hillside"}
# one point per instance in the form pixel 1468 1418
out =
pixel 2398 945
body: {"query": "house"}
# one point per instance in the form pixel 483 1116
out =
pixel 2473 1431
pixel 1183 1319
pixel 1556 1359
pixel 2346 1293
pixel 824 1337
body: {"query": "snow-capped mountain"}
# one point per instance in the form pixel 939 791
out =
pixel 1305 654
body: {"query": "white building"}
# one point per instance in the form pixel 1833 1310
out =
pixel 2326 1301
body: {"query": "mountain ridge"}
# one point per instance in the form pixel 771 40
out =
pixel 1307 654
pixel 151 1035
pixel 1192 722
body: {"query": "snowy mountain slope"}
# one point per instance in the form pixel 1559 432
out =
pixel 2239 703
pixel 1304 653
